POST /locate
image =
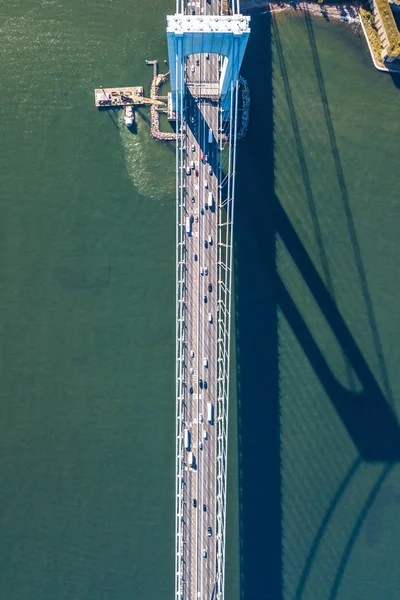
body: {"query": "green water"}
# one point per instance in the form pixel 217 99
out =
pixel 87 298
pixel 317 226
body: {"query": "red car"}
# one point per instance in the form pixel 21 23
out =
pixel 197 173
pixel 202 156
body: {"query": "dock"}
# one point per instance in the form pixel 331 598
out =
pixel 120 96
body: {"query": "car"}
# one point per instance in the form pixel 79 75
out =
pixel 207 55
pixel 205 299
pixel 206 206
pixel 202 210
pixel 196 99
pixel 191 390
pixel 205 244
pixel 204 554
pixel 192 164
pixel 193 199
pixel 204 508
pixel 209 287
pixel 196 257
pixel 197 219
pixel 197 172
pixel 201 383
pixel 210 241
pixel 197 61
pixel 205 271
pixel 205 435
pixel 192 354
pixel 206 185
pixel 192 119
pixel 205 385
pixel 192 371
pixel 202 156
pixel 200 418
pixel 193 12
pixel 188 171
pixel 210 171
pixel 194 502
pixel 209 531
pixel 192 67
pixel 201 446
pixel 193 148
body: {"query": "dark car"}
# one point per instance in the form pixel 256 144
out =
pixel 204 508
pixel 209 530
pixel 197 172
pixel 209 287
pixel 205 299
pixel 201 383
pixel 195 257
pixel 194 502
pixel 205 385
pixel 191 390
pixel 193 199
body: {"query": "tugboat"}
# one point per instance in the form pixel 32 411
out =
pixel 129 115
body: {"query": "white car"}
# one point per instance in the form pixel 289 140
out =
pixel 205 436
pixel 201 271
pixel 200 418
pixel 193 148
pixel 206 185
pixel 210 240
pixel 192 68
pixel 210 171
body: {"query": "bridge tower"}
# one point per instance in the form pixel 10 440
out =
pixel 226 36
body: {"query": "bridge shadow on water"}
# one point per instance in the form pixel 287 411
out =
pixel 367 416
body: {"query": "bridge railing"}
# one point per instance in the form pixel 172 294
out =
pixel 181 390
pixel 226 199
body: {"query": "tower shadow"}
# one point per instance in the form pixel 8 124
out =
pixel 256 331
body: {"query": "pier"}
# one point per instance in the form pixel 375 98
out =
pixel 120 96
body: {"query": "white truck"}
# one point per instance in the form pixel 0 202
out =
pixel 191 462
pixel 187 439
pixel 210 413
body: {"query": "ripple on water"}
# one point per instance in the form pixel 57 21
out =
pixel 146 160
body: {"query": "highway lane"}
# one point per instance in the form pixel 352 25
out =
pixel 201 115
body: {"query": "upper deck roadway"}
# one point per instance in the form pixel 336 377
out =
pixel 201 183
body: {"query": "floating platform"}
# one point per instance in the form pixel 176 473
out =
pixel 121 96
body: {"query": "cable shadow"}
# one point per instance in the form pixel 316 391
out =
pixel 348 212
pixel 306 177
pixel 356 530
pixel 323 525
